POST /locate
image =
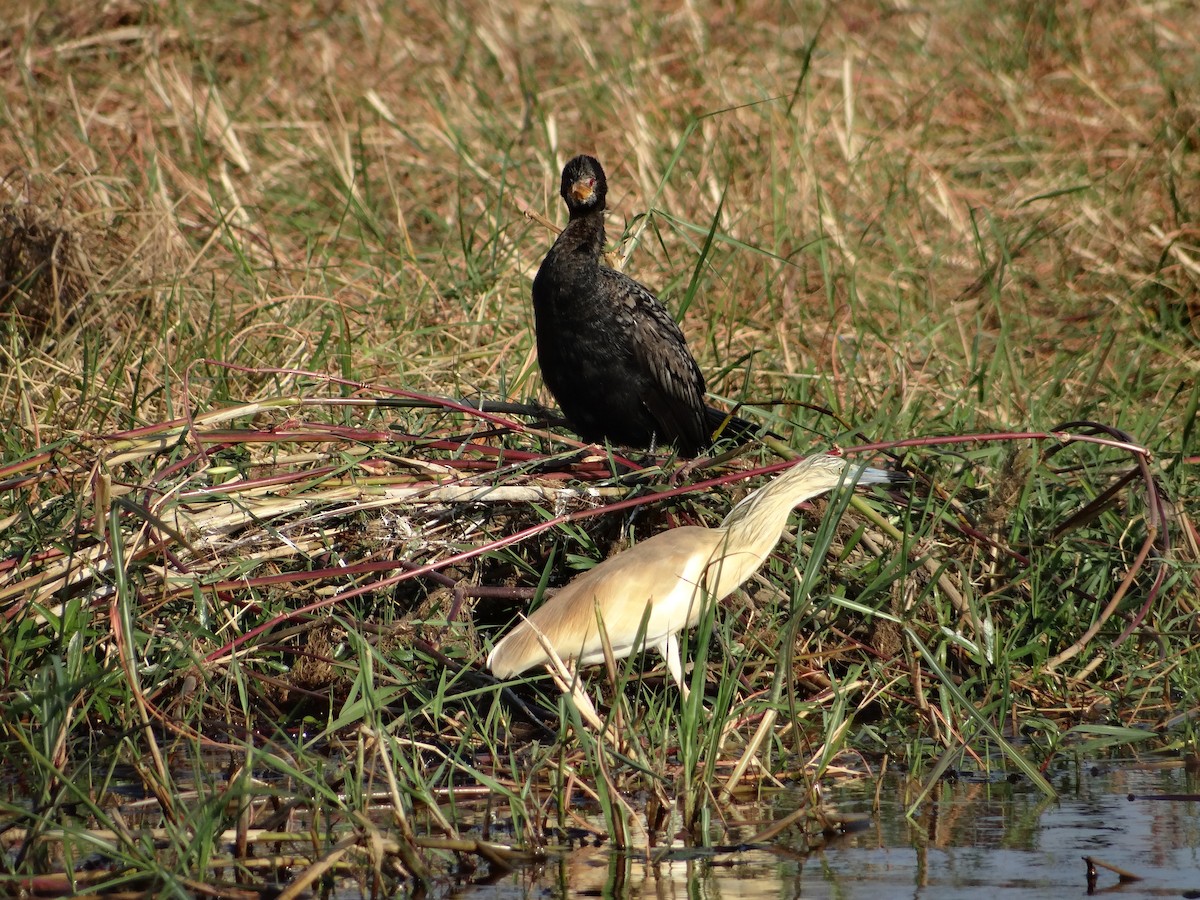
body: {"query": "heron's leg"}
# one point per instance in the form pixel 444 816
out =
pixel 670 652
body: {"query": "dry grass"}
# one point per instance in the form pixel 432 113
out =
pixel 272 181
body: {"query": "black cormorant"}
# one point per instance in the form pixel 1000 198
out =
pixel 610 353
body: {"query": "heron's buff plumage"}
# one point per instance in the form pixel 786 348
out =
pixel 673 573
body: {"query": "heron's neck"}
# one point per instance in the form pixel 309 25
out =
pixel 756 524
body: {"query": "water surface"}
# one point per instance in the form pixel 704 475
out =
pixel 971 839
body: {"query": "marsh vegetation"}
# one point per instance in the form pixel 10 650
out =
pixel 261 266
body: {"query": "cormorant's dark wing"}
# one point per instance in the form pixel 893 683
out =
pixel 672 387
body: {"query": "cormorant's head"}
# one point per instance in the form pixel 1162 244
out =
pixel 583 185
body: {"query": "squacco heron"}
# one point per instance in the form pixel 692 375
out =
pixel 667 579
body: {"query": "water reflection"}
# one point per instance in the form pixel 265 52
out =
pixel 970 840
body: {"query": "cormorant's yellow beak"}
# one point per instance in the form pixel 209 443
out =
pixel 583 189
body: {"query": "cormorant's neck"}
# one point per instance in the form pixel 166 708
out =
pixel 584 232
